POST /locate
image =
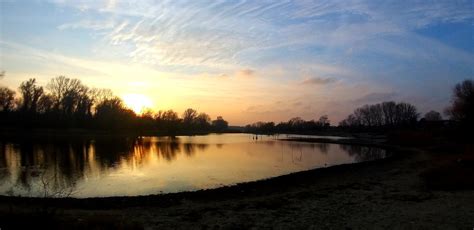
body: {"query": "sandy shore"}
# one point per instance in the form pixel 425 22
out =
pixel 385 194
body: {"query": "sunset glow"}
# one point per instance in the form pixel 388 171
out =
pixel 236 114
pixel 269 60
pixel 137 102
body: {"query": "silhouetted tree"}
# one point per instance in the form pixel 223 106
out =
pixel 67 103
pixel 168 115
pixel 30 93
pixel 189 116
pixel 462 108
pixel 45 104
pixel 294 125
pixel 406 114
pixel 112 114
pixel 97 96
pixel 389 109
pixel 65 93
pixel 7 99
pixel 220 124
pixel 324 121
pixel 433 116
pixel 168 121
pixel 261 127
pixel 386 114
pixel 203 121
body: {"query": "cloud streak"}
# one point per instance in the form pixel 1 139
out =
pixel 213 32
pixel 352 51
pixel 318 81
pixel 88 24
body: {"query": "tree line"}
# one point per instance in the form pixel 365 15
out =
pixel 383 116
pixel 294 125
pixel 404 115
pixel 68 103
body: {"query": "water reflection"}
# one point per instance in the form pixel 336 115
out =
pixel 148 165
pixel 363 153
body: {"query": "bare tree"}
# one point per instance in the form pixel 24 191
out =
pixel 203 121
pixel 7 99
pixel 384 114
pixel 189 116
pixel 45 103
pixel 433 116
pixel 389 109
pixel 64 92
pixel 462 108
pixel 324 121
pixel 167 120
pixel 99 95
pixel 220 124
pixel 30 95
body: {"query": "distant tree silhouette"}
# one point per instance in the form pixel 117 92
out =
pixel 168 121
pixel 203 121
pixel 189 116
pixel 7 99
pixel 112 114
pixel 389 109
pixel 45 104
pixel 432 116
pixel 324 121
pixel 99 95
pixel 406 114
pixel 294 125
pixel 261 127
pixel 386 114
pixel 67 103
pixel 220 124
pixel 31 94
pixel 462 107
pixel 70 97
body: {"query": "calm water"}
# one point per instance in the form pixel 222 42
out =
pixel 151 165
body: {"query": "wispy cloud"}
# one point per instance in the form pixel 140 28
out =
pixel 318 81
pixel 193 33
pixel 246 73
pixel 88 24
pixel 376 97
pixel 267 50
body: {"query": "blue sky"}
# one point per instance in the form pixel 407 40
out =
pixel 270 60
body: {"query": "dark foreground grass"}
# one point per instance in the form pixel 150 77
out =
pixel 451 171
pixel 41 220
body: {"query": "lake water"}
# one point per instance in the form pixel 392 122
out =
pixel 151 165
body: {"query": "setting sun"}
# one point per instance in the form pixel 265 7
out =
pixel 137 102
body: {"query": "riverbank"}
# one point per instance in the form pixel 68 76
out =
pixel 395 192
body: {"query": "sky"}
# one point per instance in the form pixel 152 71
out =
pixel 246 60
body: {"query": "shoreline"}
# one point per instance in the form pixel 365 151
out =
pixel 238 186
pixel 341 196
pixel 227 191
